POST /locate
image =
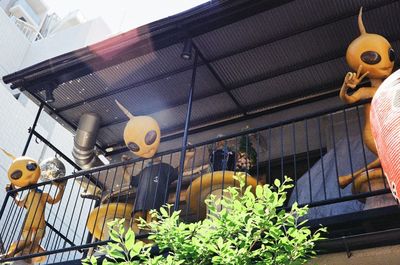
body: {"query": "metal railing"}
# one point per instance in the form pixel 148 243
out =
pixel 31 33
pixel 313 150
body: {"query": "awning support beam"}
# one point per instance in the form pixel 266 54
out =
pixel 219 80
pixel 32 129
pixel 186 133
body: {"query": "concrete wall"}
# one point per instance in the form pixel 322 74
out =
pixel 389 255
pixel 17 115
pixel 13 45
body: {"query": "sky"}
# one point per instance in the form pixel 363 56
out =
pixel 123 15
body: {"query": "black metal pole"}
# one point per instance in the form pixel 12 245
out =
pixel 32 129
pixel 3 207
pixel 66 158
pixel 55 149
pixel 185 133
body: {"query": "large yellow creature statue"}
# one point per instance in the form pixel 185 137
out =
pixel 371 56
pixel 24 171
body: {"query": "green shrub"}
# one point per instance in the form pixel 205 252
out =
pixel 250 229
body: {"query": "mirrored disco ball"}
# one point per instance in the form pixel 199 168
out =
pixel 51 169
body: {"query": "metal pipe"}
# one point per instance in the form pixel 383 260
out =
pixel 85 141
pixel 185 134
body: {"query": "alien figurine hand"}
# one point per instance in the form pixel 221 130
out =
pixel 372 56
pixel 23 172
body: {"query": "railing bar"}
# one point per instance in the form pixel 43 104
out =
pixel 36 210
pixel 109 200
pixel 23 223
pixel 347 198
pixel 258 158
pixel 225 165
pixel 158 183
pixel 131 186
pixel 363 147
pixel 18 213
pixel 201 182
pixel 48 240
pixel 190 186
pixel 102 194
pixel 212 163
pixel 108 203
pixel 282 152
pixel 72 215
pixel 235 158
pixel 10 210
pixel 321 155
pixel 118 199
pixel 126 201
pixel 56 242
pixel 55 218
pixel 89 237
pixel 139 183
pixel 148 184
pixel 269 155
pixel 78 219
pixel 308 160
pixel 168 177
pixel 348 144
pixel 127 197
pixel 52 228
pixel 294 160
pixel 335 154
pixel 84 199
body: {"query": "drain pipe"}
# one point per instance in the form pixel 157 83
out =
pixel 85 140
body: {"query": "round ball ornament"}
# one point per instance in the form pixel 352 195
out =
pixel 52 169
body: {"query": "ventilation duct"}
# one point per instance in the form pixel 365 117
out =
pixel 85 140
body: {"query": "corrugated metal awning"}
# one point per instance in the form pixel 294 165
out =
pixel 254 54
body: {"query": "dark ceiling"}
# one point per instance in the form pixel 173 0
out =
pixel 252 55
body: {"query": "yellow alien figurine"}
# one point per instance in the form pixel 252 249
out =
pixel 141 134
pixel 369 55
pixel 24 171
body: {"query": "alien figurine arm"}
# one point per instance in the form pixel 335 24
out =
pixel 59 195
pixel 351 80
pixel 20 203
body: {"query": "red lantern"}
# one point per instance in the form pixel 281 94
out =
pixel 385 125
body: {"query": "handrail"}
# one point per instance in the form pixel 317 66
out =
pixel 27 29
pixel 168 152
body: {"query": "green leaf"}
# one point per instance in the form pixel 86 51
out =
pixel 136 248
pixel 113 253
pixel 114 235
pixel 277 183
pixel 164 213
pixel 129 239
pixel 259 191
